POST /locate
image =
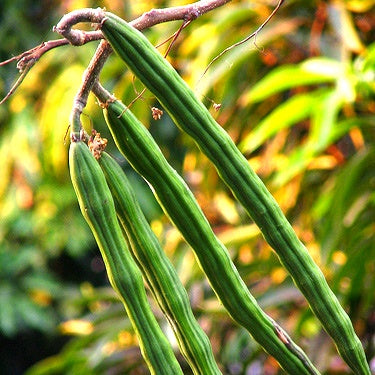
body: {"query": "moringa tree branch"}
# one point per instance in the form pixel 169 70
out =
pixel 27 59
pixel 90 76
pixel 187 13
pixel 77 37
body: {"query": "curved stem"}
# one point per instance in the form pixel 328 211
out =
pixel 154 16
pixel 90 76
pixel 79 37
pixel 148 19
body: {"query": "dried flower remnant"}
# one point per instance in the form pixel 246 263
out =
pixel 156 113
pixel 97 144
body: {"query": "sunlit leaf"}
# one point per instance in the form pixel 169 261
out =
pixel 323 120
pixel 313 71
pixel 324 117
pixel 344 126
pixel 344 27
pixel 239 235
pixel 295 109
pixel 54 117
pixel 350 185
pixel 364 67
pixel 360 5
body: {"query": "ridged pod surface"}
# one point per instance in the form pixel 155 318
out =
pixel 159 273
pixel 137 145
pixel 194 119
pixel 97 207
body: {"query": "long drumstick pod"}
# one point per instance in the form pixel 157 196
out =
pixel 194 119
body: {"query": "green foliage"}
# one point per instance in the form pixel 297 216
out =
pixel 348 211
pixel 35 213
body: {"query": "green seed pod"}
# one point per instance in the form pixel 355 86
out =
pixel 194 119
pixel 137 145
pixel 159 272
pixel 97 207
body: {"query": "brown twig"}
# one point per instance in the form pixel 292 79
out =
pixel 17 83
pixel 252 35
pixel 90 76
pixel 185 12
pixel 78 37
pixel 34 53
pixel 155 16
pixel 26 60
pixel 317 28
pixel 174 38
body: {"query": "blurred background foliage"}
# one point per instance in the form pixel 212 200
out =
pixel 300 103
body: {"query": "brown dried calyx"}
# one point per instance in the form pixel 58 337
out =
pixel 156 113
pixel 97 144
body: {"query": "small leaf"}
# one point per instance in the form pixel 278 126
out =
pixel 323 122
pixel 312 71
pixel 285 115
pixel 344 27
pixel 8 321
